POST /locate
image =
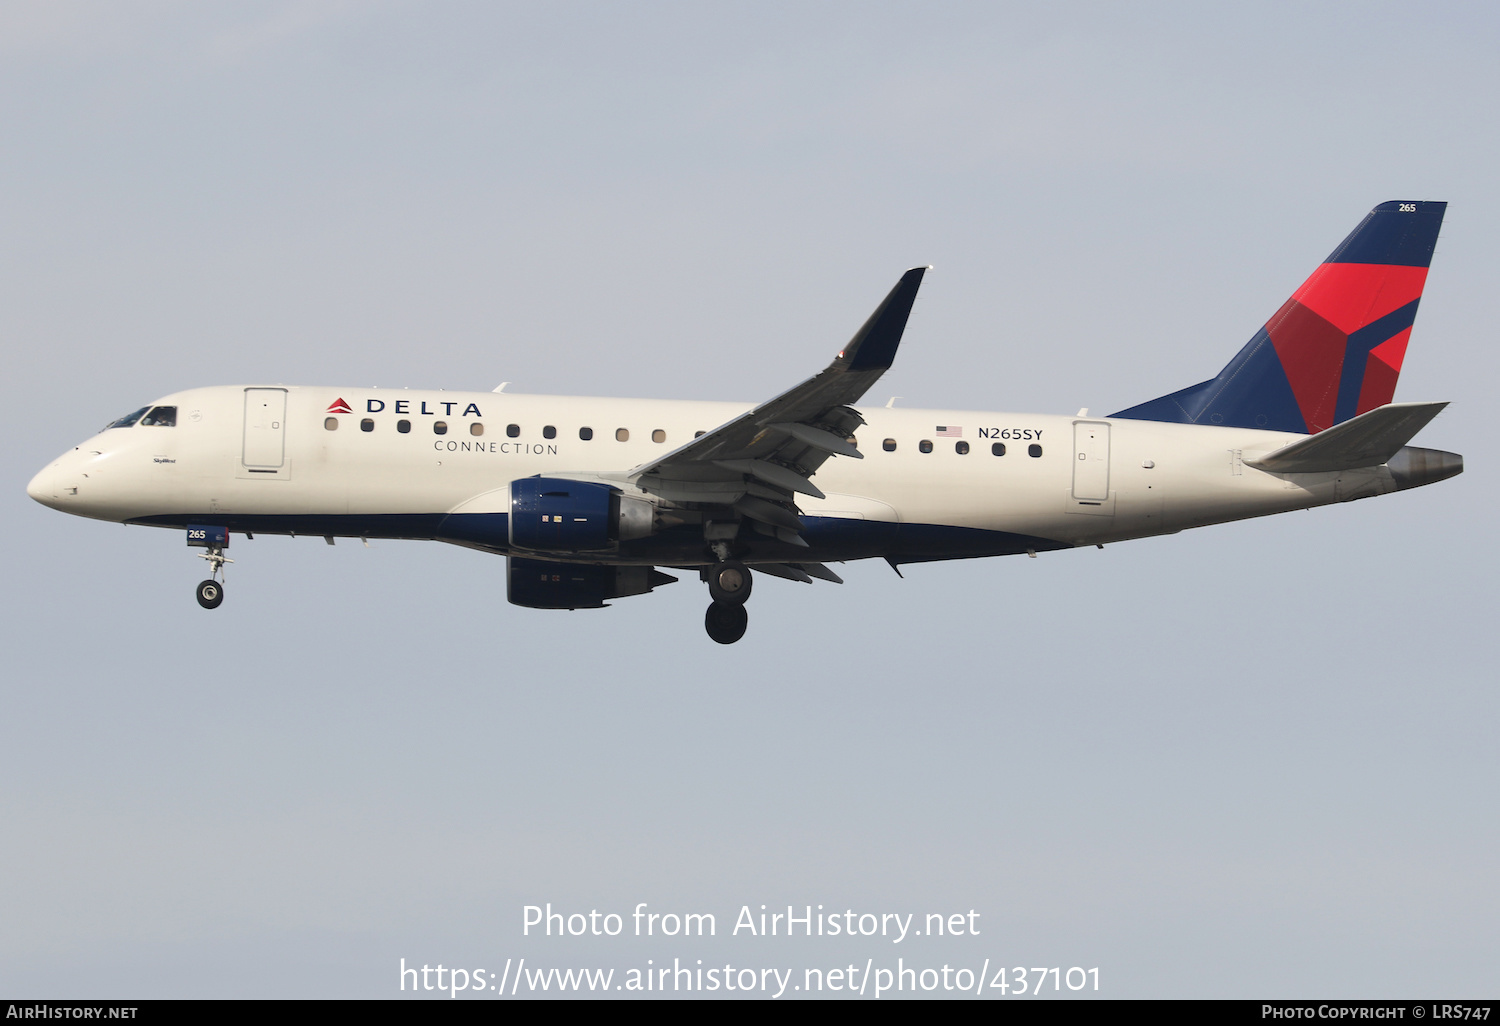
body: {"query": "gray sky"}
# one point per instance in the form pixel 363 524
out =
pixel 1248 760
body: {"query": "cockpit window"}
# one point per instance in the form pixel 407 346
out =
pixel 128 420
pixel 160 416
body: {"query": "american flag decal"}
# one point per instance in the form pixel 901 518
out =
pixel 949 432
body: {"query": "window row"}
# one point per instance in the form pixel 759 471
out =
pixel 476 428
pixel 440 427
pixel 962 448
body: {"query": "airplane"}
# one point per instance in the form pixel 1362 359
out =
pixel 587 497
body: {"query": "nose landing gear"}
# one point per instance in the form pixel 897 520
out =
pixel 212 541
pixel 729 585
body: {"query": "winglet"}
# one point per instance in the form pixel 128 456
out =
pixel 873 346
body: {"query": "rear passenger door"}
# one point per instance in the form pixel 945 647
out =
pixel 1090 461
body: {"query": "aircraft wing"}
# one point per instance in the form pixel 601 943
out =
pixel 757 463
pixel 1368 440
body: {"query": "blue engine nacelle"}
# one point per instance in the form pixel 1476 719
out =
pixel 543 584
pixel 549 514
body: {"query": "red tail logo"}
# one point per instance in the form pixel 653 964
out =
pixel 1335 348
pixel 339 406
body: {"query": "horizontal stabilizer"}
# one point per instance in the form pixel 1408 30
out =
pixel 1368 440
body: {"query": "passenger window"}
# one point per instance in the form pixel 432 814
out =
pixel 367 424
pixel 1033 451
pixel 476 429
pixel 925 445
pixel 440 427
pixel 549 431
pixel 889 445
pixel 129 419
pixel 658 435
pixel 161 416
pixel 622 434
pixel 998 448
pixel 962 448
pixel 512 431
pixel 330 423
pixel 403 426
pixel 586 434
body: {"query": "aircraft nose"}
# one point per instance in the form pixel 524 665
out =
pixel 46 487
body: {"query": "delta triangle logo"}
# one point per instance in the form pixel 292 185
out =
pixel 339 406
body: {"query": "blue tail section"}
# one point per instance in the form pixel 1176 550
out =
pixel 1334 350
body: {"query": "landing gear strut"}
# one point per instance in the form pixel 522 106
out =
pixel 729 584
pixel 211 591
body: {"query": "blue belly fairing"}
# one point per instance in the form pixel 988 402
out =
pixel 829 539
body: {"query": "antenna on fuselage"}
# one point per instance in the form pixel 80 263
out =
pixel 501 387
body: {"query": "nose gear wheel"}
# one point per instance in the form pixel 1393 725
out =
pixel 210 594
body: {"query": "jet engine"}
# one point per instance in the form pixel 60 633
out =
pixel 549 514
pixel 542 584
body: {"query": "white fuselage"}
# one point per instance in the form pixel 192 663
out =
pixel 237 456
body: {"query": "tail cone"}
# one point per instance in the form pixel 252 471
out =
pixel 1413 467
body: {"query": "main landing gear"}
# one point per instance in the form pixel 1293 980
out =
pixel 211 591
pixel 729 584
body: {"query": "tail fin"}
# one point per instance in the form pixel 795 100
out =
pixel 1334 350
